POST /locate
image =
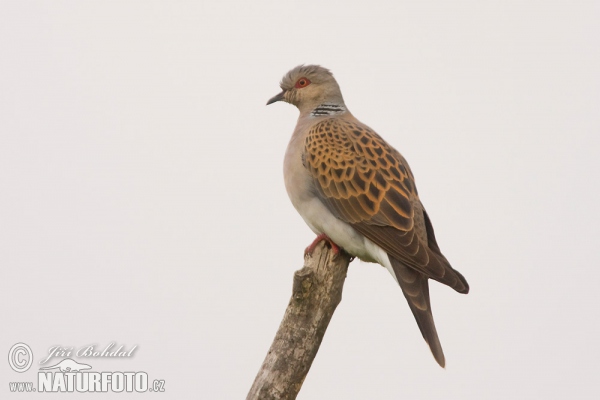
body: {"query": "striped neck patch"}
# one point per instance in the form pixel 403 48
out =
pixel 328 109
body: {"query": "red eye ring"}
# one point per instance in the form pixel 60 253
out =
pixel 302 82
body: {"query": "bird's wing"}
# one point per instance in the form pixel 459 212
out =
pixel 368 184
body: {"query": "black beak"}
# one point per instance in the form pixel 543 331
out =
pixel 278 97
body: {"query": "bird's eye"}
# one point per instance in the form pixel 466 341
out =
pixel 302 82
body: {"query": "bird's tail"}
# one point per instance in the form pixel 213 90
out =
pixel 415 287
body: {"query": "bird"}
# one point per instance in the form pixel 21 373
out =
pixel 358 193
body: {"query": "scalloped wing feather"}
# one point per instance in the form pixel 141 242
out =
pixel 368 184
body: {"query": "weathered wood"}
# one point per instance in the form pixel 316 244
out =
pixel 316 293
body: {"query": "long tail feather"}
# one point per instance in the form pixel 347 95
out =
pixel 415 287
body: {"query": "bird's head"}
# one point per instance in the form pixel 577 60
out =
pixel 307 86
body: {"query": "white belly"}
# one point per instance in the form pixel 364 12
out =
pixel 318 217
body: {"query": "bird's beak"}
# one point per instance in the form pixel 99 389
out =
pixel 279 97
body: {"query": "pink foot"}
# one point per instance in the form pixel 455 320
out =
pixel 322 236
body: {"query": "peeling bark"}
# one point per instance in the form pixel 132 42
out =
pixel 316 293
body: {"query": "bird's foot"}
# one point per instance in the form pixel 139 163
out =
pixel 309 250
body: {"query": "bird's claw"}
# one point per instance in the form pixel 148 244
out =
pixel 309 250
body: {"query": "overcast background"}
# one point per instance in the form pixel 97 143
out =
pixel 142 198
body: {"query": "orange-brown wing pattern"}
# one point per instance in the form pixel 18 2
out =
pixel 357 170
pixel 368 184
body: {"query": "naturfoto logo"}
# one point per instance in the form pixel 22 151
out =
pixel 68 375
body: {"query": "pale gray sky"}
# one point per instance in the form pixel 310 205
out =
pixel 142 199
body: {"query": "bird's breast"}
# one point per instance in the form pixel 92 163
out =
pixel 298 182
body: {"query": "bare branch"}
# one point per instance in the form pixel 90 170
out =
pixel 316 293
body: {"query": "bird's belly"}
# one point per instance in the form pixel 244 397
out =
pixel 318 217
pixel 320 220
